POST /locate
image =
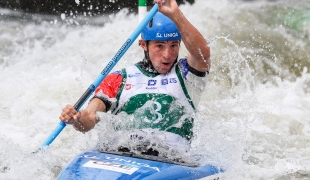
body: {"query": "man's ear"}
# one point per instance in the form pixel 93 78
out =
pixel 142 43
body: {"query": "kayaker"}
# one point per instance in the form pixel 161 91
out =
pixel 160 91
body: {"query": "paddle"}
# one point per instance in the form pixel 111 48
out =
pixel 104 73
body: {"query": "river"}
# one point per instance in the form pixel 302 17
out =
pixel 254 114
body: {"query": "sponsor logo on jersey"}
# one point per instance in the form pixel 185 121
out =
pixel 164 81
pixel 117 72
pixel 173 80
pixel 134 75
pixel 128 86
pixel 151 88
pixel 152 82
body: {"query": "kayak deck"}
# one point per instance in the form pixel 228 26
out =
pixel 102 165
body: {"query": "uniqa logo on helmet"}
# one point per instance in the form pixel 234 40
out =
pixel 167 35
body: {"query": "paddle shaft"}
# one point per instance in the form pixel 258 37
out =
pixel 104 73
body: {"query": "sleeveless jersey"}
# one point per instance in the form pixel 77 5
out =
pixel 157 101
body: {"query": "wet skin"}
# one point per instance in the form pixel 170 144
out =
pixel 162 54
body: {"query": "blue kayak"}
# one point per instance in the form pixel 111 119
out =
pixel 93 165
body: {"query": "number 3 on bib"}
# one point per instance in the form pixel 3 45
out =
pixel 156 113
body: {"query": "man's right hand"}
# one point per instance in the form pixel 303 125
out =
pixel 83 120
pixel 69 115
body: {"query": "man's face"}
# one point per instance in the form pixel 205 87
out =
pixel 163 54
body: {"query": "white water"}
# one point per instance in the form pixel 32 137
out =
pixel 254 115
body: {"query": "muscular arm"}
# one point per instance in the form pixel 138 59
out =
pixel 199 51
pixel 87 119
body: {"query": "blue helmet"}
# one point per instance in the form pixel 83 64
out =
pixel 161 28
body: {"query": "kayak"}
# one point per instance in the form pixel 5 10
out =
pixel 93 165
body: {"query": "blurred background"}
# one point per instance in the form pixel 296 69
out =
pixel 253 117
pixel 74 7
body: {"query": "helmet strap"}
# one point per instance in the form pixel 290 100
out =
pixel 147 63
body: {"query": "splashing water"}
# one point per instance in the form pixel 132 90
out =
pixel 253 115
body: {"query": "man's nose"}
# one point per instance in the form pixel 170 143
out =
pixel 167 53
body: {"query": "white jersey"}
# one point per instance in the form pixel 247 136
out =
pixel 158 101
